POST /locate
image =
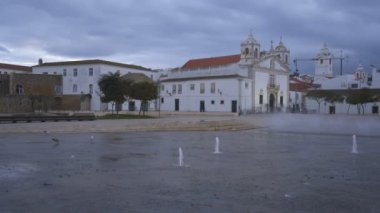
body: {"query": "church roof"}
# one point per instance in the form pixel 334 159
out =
pixel 15 67
pixel 203 78
pixel 211 62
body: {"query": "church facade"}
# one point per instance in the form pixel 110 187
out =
pixel 250 82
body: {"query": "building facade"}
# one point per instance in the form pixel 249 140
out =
pixel 12 68
pixel 81 77
pixel 249 82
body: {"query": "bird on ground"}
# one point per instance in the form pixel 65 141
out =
pixel 55 140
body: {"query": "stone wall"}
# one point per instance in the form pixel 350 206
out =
pixel 36 84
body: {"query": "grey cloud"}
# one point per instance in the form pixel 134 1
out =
pixel 173 31
pixel 4 50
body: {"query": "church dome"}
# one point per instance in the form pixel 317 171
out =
pixel 281 47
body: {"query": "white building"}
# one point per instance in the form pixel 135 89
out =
pixel 12 68
pixel 81 77
pixel 253 81
pixel 342 85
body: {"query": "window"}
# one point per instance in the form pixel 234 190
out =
pixel 19 89
pixel 58 89
pixel 286 59
pixel 45 73
pixel 162 87
pixel 261 99
pixel 321 61
pixel 202 88
pixel 212 89
pixel 75 88
pixel 192 86
pixel 91 71
pixel 256 53
pixel 272 80
pixel 281 101
pixel 221 101
pixel 354 86
pixel 90 88
pixel 246 85
pixel 179 88
pixel 246 51
pixel 162 100
pixel 55 73
pixel 212 102
pixel 296 97
pixel 174 88
pixel 151 76
pixel 64 72
pixel 75 72
pixel 330 61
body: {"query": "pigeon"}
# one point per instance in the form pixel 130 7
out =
pixel 55 140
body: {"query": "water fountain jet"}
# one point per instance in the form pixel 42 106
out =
pixel 216 149
pixel 354 145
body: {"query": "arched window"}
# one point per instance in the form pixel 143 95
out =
pixel 246 51
pixel 19 89
pixel 256 53
pixel 286 59
pixel 330 60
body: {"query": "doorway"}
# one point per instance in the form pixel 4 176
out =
pixel 176 104
pixel 202 106
pixel 271 102
pixel 234 106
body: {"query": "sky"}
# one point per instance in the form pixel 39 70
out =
pixel 167 33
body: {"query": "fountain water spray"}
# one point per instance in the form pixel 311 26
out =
pixel 216 150
pixel 180 157
pixel 354 145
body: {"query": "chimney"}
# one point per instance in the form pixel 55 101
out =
pixel 40 62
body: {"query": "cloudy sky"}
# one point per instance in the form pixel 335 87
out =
pixel 166 33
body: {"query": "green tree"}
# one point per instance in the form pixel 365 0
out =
pixel 360 98
pixel 333 97
pixel 114 89
pixel 143 91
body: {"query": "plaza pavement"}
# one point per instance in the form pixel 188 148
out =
pixel 281 122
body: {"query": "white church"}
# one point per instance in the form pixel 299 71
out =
pixel 250 82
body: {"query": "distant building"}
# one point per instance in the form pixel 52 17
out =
pixel 341 85
pixel 252 81
pixel 81 77
pixel 298 89
pixel 12 68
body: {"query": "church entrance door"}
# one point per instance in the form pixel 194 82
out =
pixel 271 103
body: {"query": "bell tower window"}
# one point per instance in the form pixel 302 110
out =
pixel 246 51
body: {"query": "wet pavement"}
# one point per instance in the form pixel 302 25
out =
pixel 258 171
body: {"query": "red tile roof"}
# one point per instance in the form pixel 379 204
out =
pixel 15 67
pixel 299 85
pixel 203 78
pixel 211 62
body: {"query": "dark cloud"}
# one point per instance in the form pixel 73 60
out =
pixel 166 33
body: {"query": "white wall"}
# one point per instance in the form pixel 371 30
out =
pixel 226 90
pixel 340 108
pixel 83 79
